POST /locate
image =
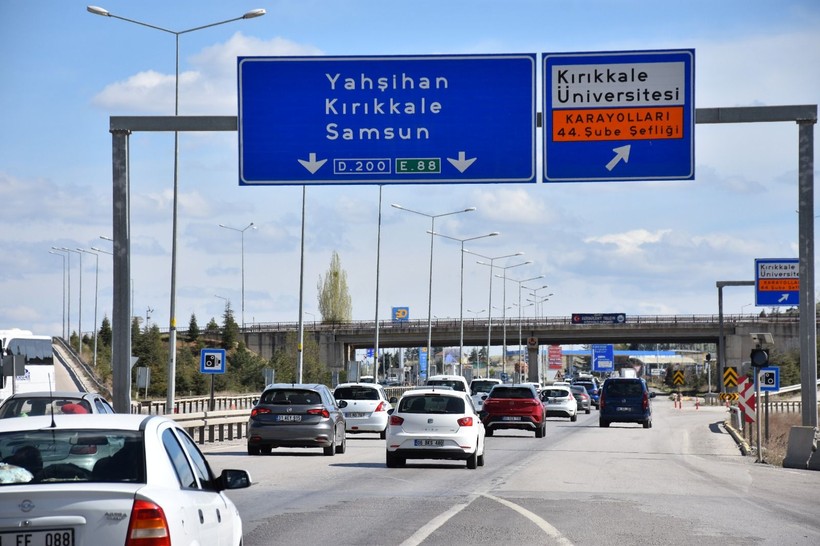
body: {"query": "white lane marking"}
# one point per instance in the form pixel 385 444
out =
pixel 421 535
pixel 553 533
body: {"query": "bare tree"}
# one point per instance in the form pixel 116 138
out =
pixel 334 299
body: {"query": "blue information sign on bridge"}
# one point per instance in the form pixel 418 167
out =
pixel 387 120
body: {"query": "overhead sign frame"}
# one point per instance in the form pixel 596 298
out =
pixel 777 282
pixel 618 116
pixel 421 119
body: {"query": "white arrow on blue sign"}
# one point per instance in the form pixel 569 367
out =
pixel 777 282
pixel 387 120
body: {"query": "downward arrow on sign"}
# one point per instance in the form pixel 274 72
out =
pixel 311 164
pixel 461 163
pixel 621 152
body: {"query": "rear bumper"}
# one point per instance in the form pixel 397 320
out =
pixel 497 422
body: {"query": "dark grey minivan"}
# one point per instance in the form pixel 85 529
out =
pixel 625 400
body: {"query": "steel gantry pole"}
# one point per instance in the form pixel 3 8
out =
pixel 172 319
pixel 432 218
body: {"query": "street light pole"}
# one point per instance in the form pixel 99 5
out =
pixel 172 339
pixel 68 284
pixel 461 290
pixel 430 282
pixel 96 293
pixel 242 237
pixel 504 313
pixel 80 312
pixel 63 257
pixel 520 282
pixel 490 303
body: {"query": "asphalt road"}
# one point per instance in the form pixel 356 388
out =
pixel 684 481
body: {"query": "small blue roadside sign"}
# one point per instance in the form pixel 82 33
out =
pixel 777 282
pixel 387 120
pixel 769 379
pixel 618 116
pixel 212 361
pixel 401 314
pixel 603 358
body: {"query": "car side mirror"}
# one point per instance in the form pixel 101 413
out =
pixel 390 411
pixel 651 395
pixel 393 400
pixel 254 401
pixel 234 479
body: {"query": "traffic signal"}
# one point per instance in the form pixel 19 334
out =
pixel 759 358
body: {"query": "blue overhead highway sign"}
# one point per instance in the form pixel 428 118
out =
pixel 777 282
pixel 603 358
pixel 387 120
pixel 618 116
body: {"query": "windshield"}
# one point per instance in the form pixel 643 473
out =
pixel 455 385
pixel 356 393
pixel 482 386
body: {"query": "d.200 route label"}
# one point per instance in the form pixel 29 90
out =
pixel 387 120
pixel 619 116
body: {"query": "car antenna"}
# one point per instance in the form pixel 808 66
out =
pixel 51 397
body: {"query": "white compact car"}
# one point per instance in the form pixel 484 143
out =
pixel 111 479
pixel 435 423
pixel 559 401
pixel 366 409
pixel 480 388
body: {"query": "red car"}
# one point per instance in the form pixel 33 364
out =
pixel 514 406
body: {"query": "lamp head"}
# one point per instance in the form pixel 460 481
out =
pixel 96 10
pixel 254 13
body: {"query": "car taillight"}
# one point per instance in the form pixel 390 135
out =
pixel 83 450
pixel 381 407
pixel 645 402
pixel 601 401
pixel 465 422
pixel 395 420
pixel 148 526
pixel 259 411
pixel 319 411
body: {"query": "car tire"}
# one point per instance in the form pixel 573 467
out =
pixel 574 417
pixel 472 460
pixel 391 459
pixel 541 431
pixel 488 432
pixel 330 450
pixel 588 411
pixel 266 450
pixel 383 434
pixel 341 448
pixel 647 424
pixel 254 450
pixel 602 423
pixel 481 460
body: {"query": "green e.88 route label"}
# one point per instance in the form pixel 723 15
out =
pixel 430 165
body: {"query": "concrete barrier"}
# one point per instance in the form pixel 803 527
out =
pixel 801 446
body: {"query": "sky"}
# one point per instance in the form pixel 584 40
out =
pixel 639 248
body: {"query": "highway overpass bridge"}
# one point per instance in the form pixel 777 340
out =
pixel 338 342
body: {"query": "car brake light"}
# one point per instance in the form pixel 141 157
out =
pixel 318 411
pixel 601 401
pixel 259 411
pixel 380 407
pixel 645 402
pixel 147 526
pixel 83 450
pixel 465 422
pixel 395 420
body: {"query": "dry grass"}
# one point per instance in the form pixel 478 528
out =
pixel 774 451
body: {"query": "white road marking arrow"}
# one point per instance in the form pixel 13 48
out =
pixel 783 298
pixel 311 164
pixel 621 152
pixel 461 163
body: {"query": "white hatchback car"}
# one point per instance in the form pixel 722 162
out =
pixel 366 409
pixel 480 388
pixel 559 401
pixel 111 479
pixel 435 423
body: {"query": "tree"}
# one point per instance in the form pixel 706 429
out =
pixel 230 329
pixel 105 334
pixel 334 299
pixel 193 329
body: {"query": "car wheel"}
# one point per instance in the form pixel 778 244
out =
pixel 574 417
pixel 603 424
pixel 383 434
pixel 330 450
pixel 488 432
pixel 481 460
pixel 647 423
pixel 540 431
pixel 341 448
pixel 266 450
pixel 472 460
pixel 391 460
pixel 254 450
pixel 588 411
